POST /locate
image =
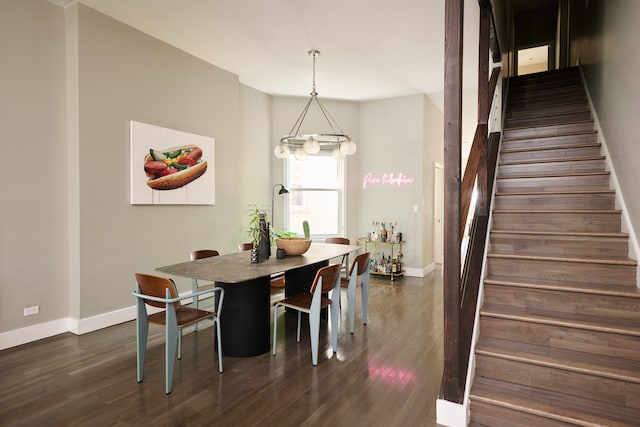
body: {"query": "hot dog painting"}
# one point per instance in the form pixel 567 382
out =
pixel 174 168
pixel 170 166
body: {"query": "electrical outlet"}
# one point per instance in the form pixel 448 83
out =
pixel 29 311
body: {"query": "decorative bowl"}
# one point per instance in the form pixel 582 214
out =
pixel 293 245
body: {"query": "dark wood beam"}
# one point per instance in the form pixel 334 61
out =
pixel 454 19
pixel 484 103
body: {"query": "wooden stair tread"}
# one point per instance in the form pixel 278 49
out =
pixel 570 320
pixel 550 147
pixel 547 115
pixel 559 211
pixel 609 289
pixel 551 357
pixel 537 126
pixel 553 175
pixel 562 258
pixel 548 95
pixel 620 235
pixel 555 192
pixel 552 405
pixel 566 103
pixel 562 134
pixel 554 160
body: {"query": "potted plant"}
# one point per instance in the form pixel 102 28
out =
pixel 292 243
pixel 258 231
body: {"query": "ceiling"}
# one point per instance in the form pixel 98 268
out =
pixel 370 49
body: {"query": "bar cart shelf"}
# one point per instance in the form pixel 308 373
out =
pixel 376 244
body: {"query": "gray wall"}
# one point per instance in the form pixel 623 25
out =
pixel 33 211
pixel 604 37
pixel 126 75
pixel 402 135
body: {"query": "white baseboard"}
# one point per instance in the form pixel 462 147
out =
pixel 451 414
pixel 37 332
pixel 419 272
pixel 104 320
pixel 40 331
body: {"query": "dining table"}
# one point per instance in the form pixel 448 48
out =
pixel 245 319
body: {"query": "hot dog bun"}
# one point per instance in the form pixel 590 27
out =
pixel 180 178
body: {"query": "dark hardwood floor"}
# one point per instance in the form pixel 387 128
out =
pixel 386 374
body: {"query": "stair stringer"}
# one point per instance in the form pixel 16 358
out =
pixel 483 273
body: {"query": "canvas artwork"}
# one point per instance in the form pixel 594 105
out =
pixel 171 167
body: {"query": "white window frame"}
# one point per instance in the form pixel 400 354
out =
pixel 342 171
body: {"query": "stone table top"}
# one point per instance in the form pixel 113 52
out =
pixel 237 267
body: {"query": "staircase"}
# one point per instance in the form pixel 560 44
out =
pixel 559 341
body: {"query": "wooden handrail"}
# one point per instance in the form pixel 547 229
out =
pixel 479 141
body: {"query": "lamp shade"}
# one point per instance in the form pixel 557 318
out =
pixel 281 151
pixel 348 148
pixel 301 154
pixel 311 146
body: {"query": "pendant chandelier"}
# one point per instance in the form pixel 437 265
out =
pixel 302 145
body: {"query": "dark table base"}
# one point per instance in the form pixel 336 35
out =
pixel 246 312
pixel 245 322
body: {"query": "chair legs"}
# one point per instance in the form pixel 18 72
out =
pixel 142 332
pixel 195 300
pixel 365 299
pixel 171 344
pixel 219 336
pixel 351 301
pixel 314 322
pixel 275 327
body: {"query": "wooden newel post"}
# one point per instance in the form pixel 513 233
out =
pixel 452 377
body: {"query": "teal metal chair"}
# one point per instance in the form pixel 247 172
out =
pixel 195 286
pixel 358 277
pixel 327 279
pixel 340 241
pixel 161 292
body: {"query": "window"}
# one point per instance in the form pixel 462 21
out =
pixel 316 195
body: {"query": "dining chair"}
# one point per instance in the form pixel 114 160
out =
pixel 340 241
pixel 195 255
pixel 161 292
pixel 245 247
pixel 358 277
pixel 327 279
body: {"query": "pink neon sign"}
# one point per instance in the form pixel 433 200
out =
pixel 387 179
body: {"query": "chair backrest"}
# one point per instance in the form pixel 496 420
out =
pixel 363 263
pixel 338 240
pixel 245 247
pixel 156 286
pixel 204 253
pixel 329 276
